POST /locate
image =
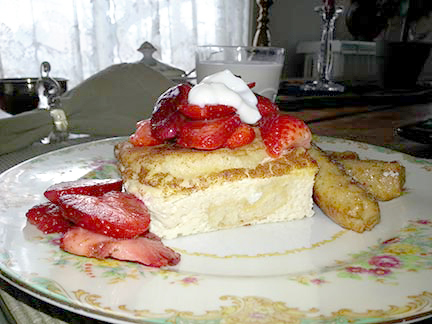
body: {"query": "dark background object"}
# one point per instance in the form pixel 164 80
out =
pixel 420 132
pixel 362 20
pixel 19 94
pixel 400 63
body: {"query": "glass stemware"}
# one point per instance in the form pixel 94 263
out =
pixel 329 13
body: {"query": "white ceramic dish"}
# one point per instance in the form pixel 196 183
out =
pixel 304 271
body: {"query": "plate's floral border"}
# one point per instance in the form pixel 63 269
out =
pixel 253 309
pixel 409 251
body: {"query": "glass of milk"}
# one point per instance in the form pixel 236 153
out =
pixel 259 65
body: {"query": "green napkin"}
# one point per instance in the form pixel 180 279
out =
pixel 108 103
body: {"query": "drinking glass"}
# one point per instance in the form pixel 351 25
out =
pixel 261 66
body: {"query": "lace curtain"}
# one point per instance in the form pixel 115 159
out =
pixel 81 37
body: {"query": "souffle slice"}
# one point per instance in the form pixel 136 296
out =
pixel 216 156
pixel 190 191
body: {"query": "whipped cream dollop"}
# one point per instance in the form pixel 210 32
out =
pixel 224 88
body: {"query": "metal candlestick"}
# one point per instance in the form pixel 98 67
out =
pixel 262 34
pixel 49 92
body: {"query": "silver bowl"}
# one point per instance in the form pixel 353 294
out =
pixel 19 94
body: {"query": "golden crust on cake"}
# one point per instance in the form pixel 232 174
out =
pixel 176 170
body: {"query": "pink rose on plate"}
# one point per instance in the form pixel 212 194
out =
pixel 356 269
pixel 423 222
pixel 379 271
pixel 385 261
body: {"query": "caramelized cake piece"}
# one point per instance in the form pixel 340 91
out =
pixel 191 191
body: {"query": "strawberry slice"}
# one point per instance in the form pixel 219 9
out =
pixel 115 214
pixel 282 132
pixel 143 135
pixel 91 187
pixel 266 106
pixel 169 127
pixel 147 249
pixel 143 250
pixel 165 118
pixel 207 134
pixel 48 218
pixel 206 112
pixel 243 135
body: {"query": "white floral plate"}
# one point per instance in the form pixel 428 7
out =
pixel 308 271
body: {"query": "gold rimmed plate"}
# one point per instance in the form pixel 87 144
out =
pixel 309 270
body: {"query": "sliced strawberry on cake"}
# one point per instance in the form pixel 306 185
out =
pixel 284 132
pixel 166 120
pixel 207 134
pixel 206 112
pixel 266 106
pixel 243 135
pixel 143 135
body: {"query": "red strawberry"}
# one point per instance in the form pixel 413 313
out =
pixel 206 112
pixel 243 135
pixel 207 134
pixel 91 187
pixel 266 106
pixel 281 132
pixel 148 250
pixel 170 100
pixel 163 124
pixel 251 85
pixel 143 135
pixel 115 214
pixel 169 127
pixel 48 217
pixel 143 250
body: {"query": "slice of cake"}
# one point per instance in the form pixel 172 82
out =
pixel 217 156
pixel 190 191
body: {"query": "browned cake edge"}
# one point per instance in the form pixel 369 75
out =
pixel 136 163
